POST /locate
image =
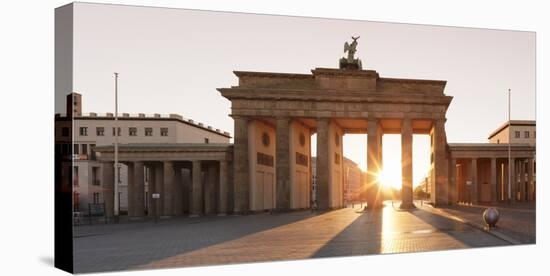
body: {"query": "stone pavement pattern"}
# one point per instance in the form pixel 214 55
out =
pixel 517 221
pixel 265 237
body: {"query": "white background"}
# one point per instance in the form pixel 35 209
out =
pixel 26 140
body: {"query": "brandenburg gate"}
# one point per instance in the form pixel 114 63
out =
pixel 275 115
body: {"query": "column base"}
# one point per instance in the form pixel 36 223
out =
pixel 240 213
pixel 407 205
pixel 165 217
pixel 222 214
pixel 375 206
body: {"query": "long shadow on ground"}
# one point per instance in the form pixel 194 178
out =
pixel 141 244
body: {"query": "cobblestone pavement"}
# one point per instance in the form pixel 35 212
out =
pixel 517 221
pixel 269 237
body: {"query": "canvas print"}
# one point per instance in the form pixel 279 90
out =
pixel 191 138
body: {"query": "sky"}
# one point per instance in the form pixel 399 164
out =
pixel 172 60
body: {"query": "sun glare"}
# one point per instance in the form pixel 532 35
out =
pixel 390 178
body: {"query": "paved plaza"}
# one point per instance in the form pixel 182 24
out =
pixel 517 221
pixel 269 237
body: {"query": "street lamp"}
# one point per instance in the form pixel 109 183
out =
pixel 509 149
pixel 115 192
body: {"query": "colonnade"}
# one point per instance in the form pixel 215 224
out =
pixel 326 161
pixel 485 179
pixel 193 187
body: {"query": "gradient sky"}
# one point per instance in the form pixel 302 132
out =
pixel 172 61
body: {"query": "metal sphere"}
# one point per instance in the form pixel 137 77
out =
pixel 491 216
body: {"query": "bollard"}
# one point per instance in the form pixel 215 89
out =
pixel 491 217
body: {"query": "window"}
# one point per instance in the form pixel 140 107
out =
pixel 76 149
pixel 534 134
pixel 84 149
pixel 96 198
pixel 92 151
pixel 206 140
pixel 148 131
pixel 163 131
pixel 114 131
pixel 526 134
pixel 75 176
pixel 83 131
pixel 95 176
pixel 517 134
pixel 132 131
pixel 100 131
pixel 64 131
pixel 498 141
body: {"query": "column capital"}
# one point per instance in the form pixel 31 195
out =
pixel 280 117
pixel 323 119
pixel 406 125
pixel 239 117
pixel 440 120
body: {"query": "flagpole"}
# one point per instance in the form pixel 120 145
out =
pixel 509 149
pixel 116 199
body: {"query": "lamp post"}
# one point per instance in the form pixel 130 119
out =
pixel 116 199
pixel 509 149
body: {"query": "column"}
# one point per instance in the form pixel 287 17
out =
pixel 530 179
pixel 439 193
pixel 453 182
pixel 210 190
pixel 513 180
pixel 473 175
pixel 493 179
pixel 131 191
pixel 282 163
pixel 322 169
pixel 168 177
pixel 178 192
pixel 138 198
pixel 373 165
pixel 186 199
pixel 196 190
pixel 152 210
pixel 108 175
pixel 406 164
pixel 241 172
pixel 159 188
pixel 222 191
pixel 521 176
pixel 523 184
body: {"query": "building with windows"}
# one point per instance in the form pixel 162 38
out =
pixel 270 165
pixel 480 172
pixel 524 132
pixel 353 182
pixel 92 130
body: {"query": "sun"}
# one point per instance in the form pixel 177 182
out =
pixel 390 178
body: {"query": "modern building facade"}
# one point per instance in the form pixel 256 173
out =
pixel 93 130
